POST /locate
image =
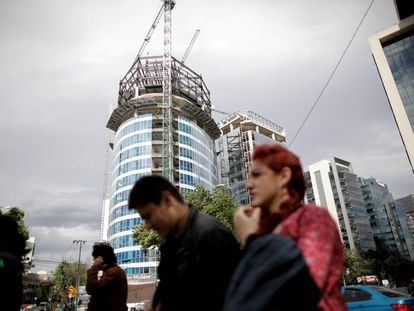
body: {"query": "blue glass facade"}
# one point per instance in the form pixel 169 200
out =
pixel 197 161
pixel 137 147
pixel 400 57
pixel 131 160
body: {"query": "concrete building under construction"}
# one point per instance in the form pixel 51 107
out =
pixel 138 124
pixel 239 133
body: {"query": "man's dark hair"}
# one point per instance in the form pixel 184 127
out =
pixel 106 252
pixel 149 189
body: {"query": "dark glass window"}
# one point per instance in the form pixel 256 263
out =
pixel 354 294
pixel 400 57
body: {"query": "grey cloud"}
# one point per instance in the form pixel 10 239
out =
pixel 61 63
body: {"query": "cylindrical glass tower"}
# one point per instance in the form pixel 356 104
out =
pixel 137 148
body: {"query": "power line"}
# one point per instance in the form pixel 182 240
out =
pixel 46 260
pixel 332 74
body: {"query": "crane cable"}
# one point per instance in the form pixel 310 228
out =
pixel 332 74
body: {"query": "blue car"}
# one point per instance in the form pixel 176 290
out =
pixel 376 298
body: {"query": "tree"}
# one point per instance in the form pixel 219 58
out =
pixel 219 204
pixel 395 269
pixel 18 215
pixel 145 236
pixel 43 290
pixel 355 266
pixel 379 262
pixel 66 274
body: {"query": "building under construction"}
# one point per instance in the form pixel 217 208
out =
pixel 239 133
pixel 162 125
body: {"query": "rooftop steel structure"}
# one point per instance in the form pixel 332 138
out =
pixel 139 87
pixel 259 123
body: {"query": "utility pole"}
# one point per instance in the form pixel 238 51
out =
pixel 80 242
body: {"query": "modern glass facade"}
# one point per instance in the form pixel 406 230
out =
pixel 393 51
pixel 381 212
pixel 408 203
pixel 136 149
pixel 131 160
pixel 197 159
pixel 400 57
pixel 404 230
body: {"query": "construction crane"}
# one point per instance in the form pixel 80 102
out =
pixel 129 82
pixel 190 46
pixel 167 135
pixel 152 29
pixel 220 111
pixel 150 32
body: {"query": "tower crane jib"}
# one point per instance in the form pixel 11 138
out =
pixel 152 29
pixel 190 46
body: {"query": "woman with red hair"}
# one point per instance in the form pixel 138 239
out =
pixel 293 254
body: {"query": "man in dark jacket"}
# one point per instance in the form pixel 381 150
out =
pixel 198 254
pixel 106 281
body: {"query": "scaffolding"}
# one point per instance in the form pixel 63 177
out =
pixel 145 77
pixel 139 88
pixel 240 132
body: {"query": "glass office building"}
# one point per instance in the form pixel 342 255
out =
pixel 393 51
pixel 382 215
pixel 138 144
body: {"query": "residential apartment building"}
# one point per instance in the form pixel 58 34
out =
pixel 334 185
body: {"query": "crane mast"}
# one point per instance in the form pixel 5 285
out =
pixel 129 87
pixel 167 135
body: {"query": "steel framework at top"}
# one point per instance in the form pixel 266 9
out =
pixel 168 76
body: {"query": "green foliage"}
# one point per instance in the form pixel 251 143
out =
pixel 43 291
pixel 200 197
pixel 66 274
pixel 18 215
pixel 145 236
pixel 397 270
pixel 219 204
pixel 355 265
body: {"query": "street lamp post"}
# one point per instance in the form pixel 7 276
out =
pixel 80 242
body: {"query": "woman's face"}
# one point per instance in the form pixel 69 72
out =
pixel 265 187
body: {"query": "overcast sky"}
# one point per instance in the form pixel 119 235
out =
pixel 61 62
